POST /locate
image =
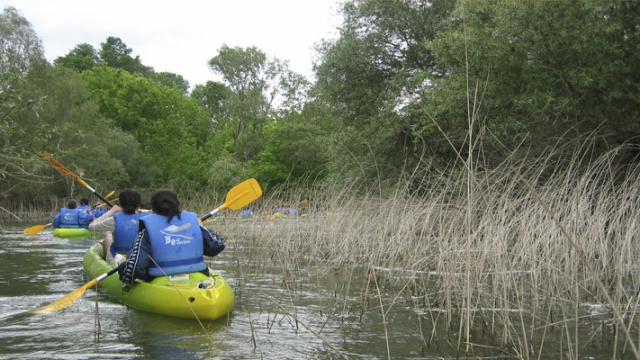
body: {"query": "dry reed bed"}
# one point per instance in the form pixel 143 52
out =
pixel 487 253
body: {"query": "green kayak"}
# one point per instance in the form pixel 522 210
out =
pixel 193 295
pixel 72 233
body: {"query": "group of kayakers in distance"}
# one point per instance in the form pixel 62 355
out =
pixel 73 216
pixel 76 215
pixel 145 245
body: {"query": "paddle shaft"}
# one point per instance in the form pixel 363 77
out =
pixel 107 274
pixel 209 214
pixel 93 282
pixel 83 183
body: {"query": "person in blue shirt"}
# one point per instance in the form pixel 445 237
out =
pixel 84 205
pixel 246 213
pixel 169 242
pixel 122 220
pixel 72 217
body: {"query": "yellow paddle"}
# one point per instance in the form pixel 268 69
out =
pixel 72 175
pixel 240 196
pixel 36 229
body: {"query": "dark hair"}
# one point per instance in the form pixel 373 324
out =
pixel 84 201
pixel 71 204
pixel 129 201
pixel 165 202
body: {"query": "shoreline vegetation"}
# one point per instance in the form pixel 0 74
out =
pixel 490 264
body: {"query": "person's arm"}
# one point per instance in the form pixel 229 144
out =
pixel 213 244
pixel 108 224
pixel 105 222
pixel 56 221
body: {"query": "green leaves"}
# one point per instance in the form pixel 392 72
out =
pixel 82 57
pixel 540 69
pixel 171 128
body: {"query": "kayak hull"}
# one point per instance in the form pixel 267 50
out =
pixel 189 296
pixel 72 233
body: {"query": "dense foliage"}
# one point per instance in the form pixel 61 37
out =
pixel 407 85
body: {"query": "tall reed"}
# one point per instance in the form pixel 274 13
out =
pixel 495 259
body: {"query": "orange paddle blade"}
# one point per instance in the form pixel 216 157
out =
pixel 66 300
pixel 36 229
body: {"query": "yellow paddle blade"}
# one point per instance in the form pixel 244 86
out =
pixel 242 195
pixel 304 201
pixel 36 229
pixel 66 300
pixel 109 194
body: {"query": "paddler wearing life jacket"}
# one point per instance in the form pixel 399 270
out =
pixel 123 222
pixel 169 242
pixel 72 217
pixel 84 205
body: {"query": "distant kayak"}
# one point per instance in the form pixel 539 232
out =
pixel 72 233
pixel 195 294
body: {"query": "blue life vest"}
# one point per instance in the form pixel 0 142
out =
pixel 69 218
pixel 176 246
pixel 125 232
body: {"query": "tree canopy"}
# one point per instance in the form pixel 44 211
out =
pixel 406 86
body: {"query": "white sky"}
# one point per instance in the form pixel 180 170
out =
pixel 182 36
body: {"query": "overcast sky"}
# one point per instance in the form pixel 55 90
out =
pixel 181 37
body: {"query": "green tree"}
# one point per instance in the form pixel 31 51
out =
pixel 254 81
pixel 369 74
pixel 84 140
pixel 170 126
pixel 292 150
pixel 82 57
pixel 20 45
pixel 542 71
pixel 213 97
pixel 21 54
pixel 115 53
pixel 169 79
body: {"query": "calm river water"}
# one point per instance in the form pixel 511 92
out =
pixel 36 270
